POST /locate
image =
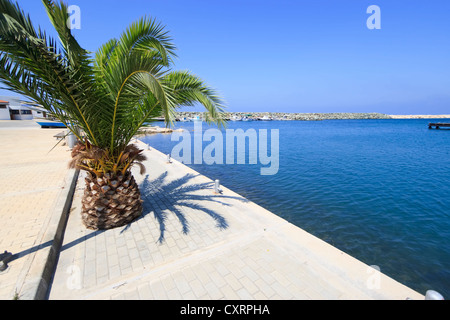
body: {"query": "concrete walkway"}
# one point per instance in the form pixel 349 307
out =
pixel 193 244
pixel 34 184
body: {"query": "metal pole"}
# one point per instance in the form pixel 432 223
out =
pixel 71 140
pixel 217 187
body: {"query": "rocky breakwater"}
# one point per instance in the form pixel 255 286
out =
pixel 236 116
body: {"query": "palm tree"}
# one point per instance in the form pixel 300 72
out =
pixel 102 98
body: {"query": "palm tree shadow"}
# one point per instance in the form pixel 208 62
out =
pixel 164 198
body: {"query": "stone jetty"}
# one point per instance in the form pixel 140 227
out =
pixel 286 116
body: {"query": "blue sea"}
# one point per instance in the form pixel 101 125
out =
pixel 378 190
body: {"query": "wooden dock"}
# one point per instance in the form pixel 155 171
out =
pixel 438 125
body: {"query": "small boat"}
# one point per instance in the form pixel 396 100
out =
pixel 265 118
pixel 236 118
pixel 196 118
pixel 51 124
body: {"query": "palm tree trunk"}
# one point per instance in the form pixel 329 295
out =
pixel 110 202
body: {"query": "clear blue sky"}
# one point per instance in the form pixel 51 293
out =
pixel 297 55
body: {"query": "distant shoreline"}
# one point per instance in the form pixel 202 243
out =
pixel 417 116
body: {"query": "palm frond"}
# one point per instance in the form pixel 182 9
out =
pixel 189 90
pixel 108 95
pixel 65 75
pixel 147 35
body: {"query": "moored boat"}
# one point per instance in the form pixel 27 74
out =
pixel 48 124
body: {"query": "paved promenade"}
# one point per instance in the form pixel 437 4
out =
pixel 193 244
pixel 32 185
pixel 189 244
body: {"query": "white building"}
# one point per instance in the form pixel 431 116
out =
pixel 13 108
pixel 4 110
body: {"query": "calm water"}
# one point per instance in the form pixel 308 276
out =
pixel 376 189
